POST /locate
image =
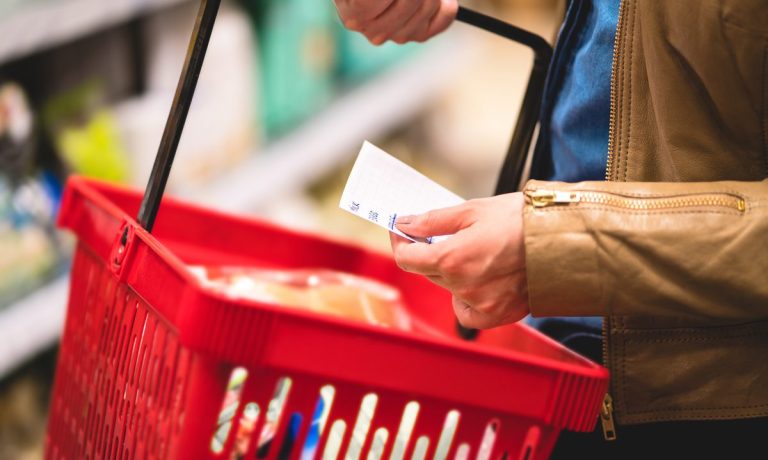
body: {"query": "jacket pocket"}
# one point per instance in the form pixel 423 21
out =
pixel 691 373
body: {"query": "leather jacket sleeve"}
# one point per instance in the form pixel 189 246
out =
pixel 697 250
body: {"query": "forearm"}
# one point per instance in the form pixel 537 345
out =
pixel 663 249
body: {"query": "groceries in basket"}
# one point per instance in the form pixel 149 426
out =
pixel 323 291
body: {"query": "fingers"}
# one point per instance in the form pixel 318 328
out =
pixel 420 258
pixel 399 20
pixel 444 17
pixel 355 14
pixel 473 318
pixel 447 221
pixel 391 20
pixel 417 26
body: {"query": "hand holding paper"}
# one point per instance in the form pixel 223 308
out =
pixel 482 264
pixel 382 188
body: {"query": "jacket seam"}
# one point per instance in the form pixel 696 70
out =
pixel 670 413
pixel 620 110
pixel 698 339
pixel 629 89
pixel 765 107
pixel 623 399
pixel 693 409
pixel 714 327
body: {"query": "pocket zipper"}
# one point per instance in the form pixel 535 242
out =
pixel 545 198
pixel 606 418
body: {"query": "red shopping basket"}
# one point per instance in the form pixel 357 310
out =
pixel 147 353
pixel 153 365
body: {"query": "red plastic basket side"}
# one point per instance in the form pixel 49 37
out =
pixel 121 374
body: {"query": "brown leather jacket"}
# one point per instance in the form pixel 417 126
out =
pixel 673 250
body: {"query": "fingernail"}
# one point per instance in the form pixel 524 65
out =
pixel 405 220
pixel 379 39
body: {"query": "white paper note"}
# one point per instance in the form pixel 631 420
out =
pixel 381 188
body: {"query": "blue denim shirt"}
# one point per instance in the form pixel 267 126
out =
pixel 573 144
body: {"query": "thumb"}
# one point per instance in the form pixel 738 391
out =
pixel 446 221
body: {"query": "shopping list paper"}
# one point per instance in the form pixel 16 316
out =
pixel 381 188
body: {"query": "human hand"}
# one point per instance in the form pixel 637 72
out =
pixel 398 20
pixel 482 264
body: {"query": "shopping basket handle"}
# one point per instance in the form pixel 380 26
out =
pixel 198 45
pixel 513 167
pixel 511 175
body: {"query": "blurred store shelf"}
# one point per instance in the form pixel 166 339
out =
pixel 28 26
pixel 32 325
pixel 334 136
pixel 314 149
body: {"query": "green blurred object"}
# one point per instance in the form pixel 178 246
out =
pixel 94 149
pixel 360 60
pixel 297 53
pixel 86 135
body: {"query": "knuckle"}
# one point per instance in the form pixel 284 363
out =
pixel 451 268
pixel 485 308
pixel 426 219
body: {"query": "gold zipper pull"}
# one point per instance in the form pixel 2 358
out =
pixel 544 198
pixel 606 418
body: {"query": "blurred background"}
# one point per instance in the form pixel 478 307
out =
pixel 285 100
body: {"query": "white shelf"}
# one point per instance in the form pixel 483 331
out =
pixel 36 25
pixel 32 325
pixel 336 134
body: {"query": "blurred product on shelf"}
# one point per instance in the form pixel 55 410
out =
pixel 296 39
pixel 16 132
pixel 29 200
pixel 221 129
pixel 85 134
pixel 321 291
pixel 359 60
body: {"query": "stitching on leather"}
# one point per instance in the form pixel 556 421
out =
pixel 760 325
pixel 765 107
pixel 673 416
pixel 624 375
pixel 699 409
pixel 697 339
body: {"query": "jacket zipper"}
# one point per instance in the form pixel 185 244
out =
pixel 606 418
pixel 612 116
pixel 545 198
pixel 606 414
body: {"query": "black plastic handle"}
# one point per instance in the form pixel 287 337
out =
pixel 513 168
pixel 511 175
pixel 198 45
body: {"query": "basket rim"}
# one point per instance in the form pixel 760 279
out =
pixel 97 191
